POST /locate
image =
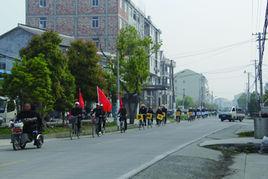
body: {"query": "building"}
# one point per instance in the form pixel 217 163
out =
pixel 223 104
pixel 167 78
pixel 17 38
pixel 99 21
pixel 190 83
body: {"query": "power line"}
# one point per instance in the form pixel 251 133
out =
pixel 203 52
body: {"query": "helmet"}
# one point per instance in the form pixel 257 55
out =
pixel 77 103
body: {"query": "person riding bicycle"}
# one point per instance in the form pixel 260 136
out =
pixel 98 113
pixel 123 116
pixel 178 115
pixel 164 110
pixel 159 113
pixel 143 112
pixel 150 113
pixel 31 120
pixel 77 112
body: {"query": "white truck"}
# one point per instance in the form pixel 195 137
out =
pixel 237 114
pixel 8 110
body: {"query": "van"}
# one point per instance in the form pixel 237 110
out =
pixel 8 110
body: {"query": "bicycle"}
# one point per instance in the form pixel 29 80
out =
pixel 73 126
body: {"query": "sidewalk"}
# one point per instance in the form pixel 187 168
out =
pixel 245 166
pixel 4 142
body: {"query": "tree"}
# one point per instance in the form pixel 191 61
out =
pixel 84 66
pixel 63 84
pixel 242 101
pixel 253 106
pixel 30 82
pixel 134 53
pixel 188 102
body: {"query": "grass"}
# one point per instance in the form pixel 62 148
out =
pixel 246 134
pixel 4 132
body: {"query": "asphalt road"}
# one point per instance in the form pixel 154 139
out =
pixel 110 156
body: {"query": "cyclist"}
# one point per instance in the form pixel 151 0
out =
pixel 98 112
pixel 77 112
pixel 150 117
pixel 178 115
pixel 143 112
pixel 123 117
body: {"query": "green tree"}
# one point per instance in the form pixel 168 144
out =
pixel 188 102
pixel 84 66
pixel 253 106
pixel 30 82
pixel 242 101
pixel 63 84
pixel 134 53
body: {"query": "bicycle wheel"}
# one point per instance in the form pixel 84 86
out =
pixel 71 132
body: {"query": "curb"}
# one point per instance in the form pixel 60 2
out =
pixel 158 158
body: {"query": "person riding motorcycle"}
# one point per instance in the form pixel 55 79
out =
pixel 31 120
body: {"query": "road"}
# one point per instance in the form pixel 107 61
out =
pixel 110 156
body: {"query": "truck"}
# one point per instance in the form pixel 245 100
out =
pixel 235 114
pixel 8 110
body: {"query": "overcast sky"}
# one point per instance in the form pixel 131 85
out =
pixel 193 27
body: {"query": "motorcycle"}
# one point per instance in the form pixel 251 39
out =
pixel 20 139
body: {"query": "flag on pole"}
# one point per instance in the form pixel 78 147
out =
pixel 102 99
pixel 81 100
pixel 121 102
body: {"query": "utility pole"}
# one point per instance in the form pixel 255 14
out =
pixel 256 78
pixel 173 89
pixel 118 82
pixel 248 90
pixel 260 65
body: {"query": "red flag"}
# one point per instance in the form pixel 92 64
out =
pixel 81 100
pixel 121 102
pixel 102 99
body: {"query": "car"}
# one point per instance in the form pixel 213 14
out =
pixel 223 115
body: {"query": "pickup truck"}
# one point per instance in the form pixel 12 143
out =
pixel 264 109
pixel 237 114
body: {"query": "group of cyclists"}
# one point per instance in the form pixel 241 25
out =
pixel 146 116
pixel 98 116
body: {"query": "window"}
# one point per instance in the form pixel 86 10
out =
pixel 42 3
pixel 42 22
pixel 11 106
pixel 95 3
pixel 2 65
pixel 96 41
pixel 95 22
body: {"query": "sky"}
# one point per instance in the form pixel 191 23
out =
pixel 212 37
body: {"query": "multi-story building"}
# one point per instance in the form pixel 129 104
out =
pixel 190 83
pixel 99 21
